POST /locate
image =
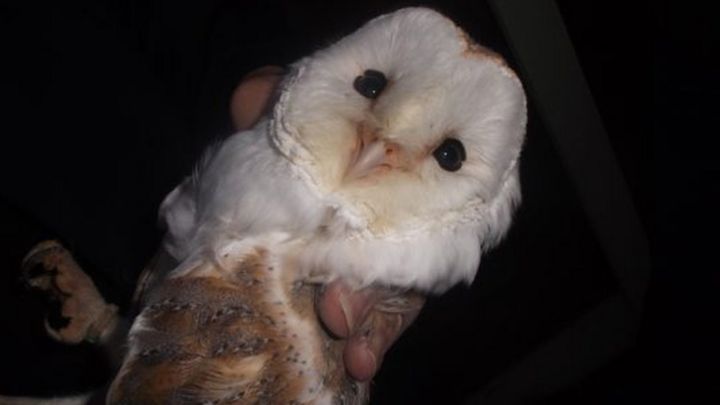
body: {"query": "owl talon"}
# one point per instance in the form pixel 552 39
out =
pixel 78 312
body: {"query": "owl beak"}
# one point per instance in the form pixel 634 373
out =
pixel 369 157
pixel 372 154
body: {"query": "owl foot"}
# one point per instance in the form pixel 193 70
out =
pixel 78 311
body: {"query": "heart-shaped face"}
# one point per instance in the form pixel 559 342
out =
pixel 407 121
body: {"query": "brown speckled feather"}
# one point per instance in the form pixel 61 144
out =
pixel 243 333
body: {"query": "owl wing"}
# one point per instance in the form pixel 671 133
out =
pixel 239 331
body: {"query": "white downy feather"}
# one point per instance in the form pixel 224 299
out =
pixel 423 228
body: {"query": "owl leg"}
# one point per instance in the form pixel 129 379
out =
pixel 398 301
pixel 83 313
pixel 394 311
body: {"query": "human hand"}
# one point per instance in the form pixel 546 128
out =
pixel 369 320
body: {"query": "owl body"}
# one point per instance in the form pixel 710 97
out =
pixel 389 158
pixel 403 220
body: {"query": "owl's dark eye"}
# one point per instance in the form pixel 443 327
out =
pixel 370 84
pixel 450 154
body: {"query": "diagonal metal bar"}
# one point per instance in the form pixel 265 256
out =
pixel 537 36
pixel 592 340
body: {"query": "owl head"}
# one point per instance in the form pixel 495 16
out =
pixel 412 133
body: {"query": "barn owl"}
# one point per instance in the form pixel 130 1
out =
pixel 388 159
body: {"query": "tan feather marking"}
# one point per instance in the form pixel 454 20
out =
pixel 473 49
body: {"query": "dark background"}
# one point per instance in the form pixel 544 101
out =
pixel 106 105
